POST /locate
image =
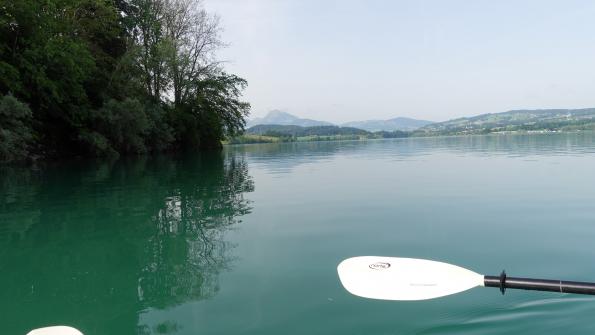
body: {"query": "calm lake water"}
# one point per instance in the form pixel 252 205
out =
pixel 247 241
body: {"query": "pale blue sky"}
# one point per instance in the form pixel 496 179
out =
pixel 343 60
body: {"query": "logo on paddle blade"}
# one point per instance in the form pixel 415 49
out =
pixel 380 266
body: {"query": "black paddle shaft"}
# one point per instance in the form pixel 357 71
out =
pixel 503 282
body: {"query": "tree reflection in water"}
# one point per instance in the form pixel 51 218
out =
pixel 188 248
pixel 93 247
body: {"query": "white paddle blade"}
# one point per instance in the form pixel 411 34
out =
pixel 392 278
pixel 56 330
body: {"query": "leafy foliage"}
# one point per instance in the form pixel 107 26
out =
pixel 215 110
pixel 99 75
pixel 16 134
pixel 124 124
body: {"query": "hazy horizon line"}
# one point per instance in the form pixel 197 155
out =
pixel 285 110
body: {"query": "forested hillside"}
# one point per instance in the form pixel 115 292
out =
pixel 290 133
pixel 109 77
pixel 289 130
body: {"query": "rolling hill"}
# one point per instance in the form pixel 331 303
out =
pixel 277 117
pixel 398 123
pixel 515 120
pixel 297 131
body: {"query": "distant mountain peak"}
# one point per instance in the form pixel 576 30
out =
pixel 283 118
pixel 276 112
pixel 279 117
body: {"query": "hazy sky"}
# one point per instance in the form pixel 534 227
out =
pixel 343 60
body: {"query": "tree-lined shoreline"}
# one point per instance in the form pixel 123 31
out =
pixel 112 77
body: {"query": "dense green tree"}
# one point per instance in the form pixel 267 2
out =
pixel 215 110
pixel 161 135
pixel 106 77
pixel 16 134
pixel 57 49
pixel 119 127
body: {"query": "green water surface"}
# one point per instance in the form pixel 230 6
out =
pixel 247 241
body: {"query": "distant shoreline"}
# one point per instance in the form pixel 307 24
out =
pixel 271 139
